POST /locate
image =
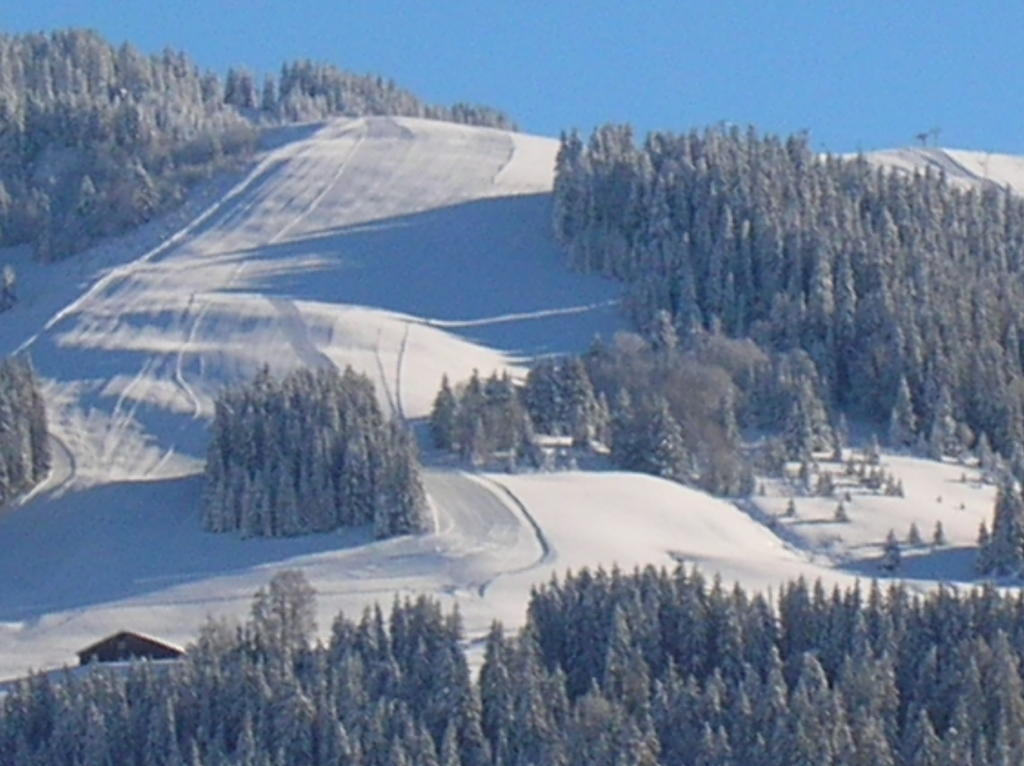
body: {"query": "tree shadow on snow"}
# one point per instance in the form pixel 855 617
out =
pixel 124 540
pixel 947 564
pixel 487 270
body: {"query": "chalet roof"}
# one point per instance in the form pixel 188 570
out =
pixel 114 637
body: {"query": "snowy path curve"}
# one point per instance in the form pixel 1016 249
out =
pixel 481 516
pixel 547 551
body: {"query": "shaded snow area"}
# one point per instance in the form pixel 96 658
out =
pixel 407 249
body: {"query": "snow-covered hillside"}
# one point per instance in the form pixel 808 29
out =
pixel 407 249
pixel 403 247
pixel 963 168
pixel 948 493
pixel 132 556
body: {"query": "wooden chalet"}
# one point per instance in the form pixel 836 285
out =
pixel 125 646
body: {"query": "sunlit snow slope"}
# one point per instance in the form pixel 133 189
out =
pixel 406 248
pixel 962 168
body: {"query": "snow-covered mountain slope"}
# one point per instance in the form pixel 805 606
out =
pixel 132 556
pixel 405 248
pixel 408 249
pixel 963 168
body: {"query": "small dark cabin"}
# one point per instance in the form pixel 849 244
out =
pixel 126 645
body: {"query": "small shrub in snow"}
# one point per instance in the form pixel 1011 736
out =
pixel 840 514
pixel 913 535
pixel 890 553
pixel 826 484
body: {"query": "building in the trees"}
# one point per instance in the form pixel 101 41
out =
pixel 126 645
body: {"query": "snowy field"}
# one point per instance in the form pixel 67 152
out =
pixel 953 495
pixel 407 249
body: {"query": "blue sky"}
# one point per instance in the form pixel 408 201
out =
pixel 859 74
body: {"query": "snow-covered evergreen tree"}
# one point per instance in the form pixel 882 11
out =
pixel 913 535
pixel 943 433
pixel 481 418
pixel 890 553
pixel 664 451
pixel 24 438
pixel 840 514
pixel 8 287
pixel 560 400
pixel 1003 551
pixel 309 453
pixel 664 338
pixel 443 417
pixel 902 420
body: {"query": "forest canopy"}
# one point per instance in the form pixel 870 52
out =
pixel 903 291
pixel 640 669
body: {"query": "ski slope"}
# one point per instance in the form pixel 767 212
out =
pixel 132 556
pixel 407 249
pixel 966 169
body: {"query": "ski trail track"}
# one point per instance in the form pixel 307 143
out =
pixel 384 376
pixel 398 371
pixel 496 178
pixel 966 172
pixel 517 317
pixel 278 236
pixel 327 251
pixel 298 334
pixel 546 551
pixel 943 161
pixel 483 526
pixel 179 362
pixel 124 271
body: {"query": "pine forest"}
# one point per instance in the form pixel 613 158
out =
pixel 310 452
